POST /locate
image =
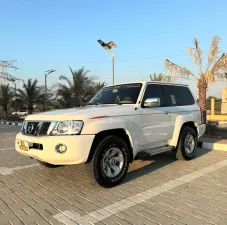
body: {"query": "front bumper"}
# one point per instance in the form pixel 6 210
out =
pixel 78 148
pixel 201 130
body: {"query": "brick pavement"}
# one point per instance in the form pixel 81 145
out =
pixel 31 194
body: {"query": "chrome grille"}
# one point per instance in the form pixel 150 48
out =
pixel 44 128
pixel 31 128
pixel 36 128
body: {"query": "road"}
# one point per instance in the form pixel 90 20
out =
pixel 9 128
pixel 157 190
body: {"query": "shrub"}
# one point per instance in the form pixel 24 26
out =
pixel 11 118
pixel 211 127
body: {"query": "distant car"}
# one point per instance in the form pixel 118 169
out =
pixel 20 113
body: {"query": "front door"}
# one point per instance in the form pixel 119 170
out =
pixel 156 126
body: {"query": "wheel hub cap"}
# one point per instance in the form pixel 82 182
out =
pixel 113 162
pixel 189 144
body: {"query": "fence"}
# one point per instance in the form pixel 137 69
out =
pixel 216 110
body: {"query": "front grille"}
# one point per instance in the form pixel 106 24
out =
pixel 31 128
pixel 35 128
pixel 44 128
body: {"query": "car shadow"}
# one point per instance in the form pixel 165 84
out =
pixel 152 163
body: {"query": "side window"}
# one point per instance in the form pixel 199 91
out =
pixel 153 91
pixel 177 96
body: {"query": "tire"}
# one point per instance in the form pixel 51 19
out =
pixel 99 168
pixel 182 151
pixel 47 165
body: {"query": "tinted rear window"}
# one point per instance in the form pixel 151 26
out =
pixel 177 96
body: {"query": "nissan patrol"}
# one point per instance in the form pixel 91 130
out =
pixel 118 122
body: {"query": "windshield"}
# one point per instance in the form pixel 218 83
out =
pixel 119 94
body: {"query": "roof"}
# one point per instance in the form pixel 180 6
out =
pixel 150 82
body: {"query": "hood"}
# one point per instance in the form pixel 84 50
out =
pixel 81 113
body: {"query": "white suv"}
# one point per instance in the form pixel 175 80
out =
pixel 119 122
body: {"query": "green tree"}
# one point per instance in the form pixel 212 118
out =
pixel 215 68
pixel 99 86
pixel 51 97
pixel 6 97
pixel 156 78
pixel 64 97
pixel 31 94
pixel 160 77
pixel 76 91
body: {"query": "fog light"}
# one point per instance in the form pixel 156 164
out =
pixel 61 148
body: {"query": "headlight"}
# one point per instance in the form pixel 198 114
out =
pixel 67 128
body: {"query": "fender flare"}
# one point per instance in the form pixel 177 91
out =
pixel 179 123
pixel 109 124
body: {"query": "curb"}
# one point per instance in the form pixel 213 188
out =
pixel 212 146
pixel 12 123
pixel 222 122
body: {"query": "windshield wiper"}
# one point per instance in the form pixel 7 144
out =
pixel 102 103
pixel 90 103
pixel 108 102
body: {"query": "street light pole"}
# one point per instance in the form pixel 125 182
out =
pixel 108 46
pixel 112 55
pixel 46 74
pixel 45 92
pixel 15 84
pixel 113 67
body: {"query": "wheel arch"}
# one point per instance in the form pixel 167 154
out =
pixel 181 122
pixel 119 132
pixel 190 124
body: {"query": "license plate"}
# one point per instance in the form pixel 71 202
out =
pixel 23 145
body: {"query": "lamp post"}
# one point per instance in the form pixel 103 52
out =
pixel 46 74
pixel 107 46
pixel 14 81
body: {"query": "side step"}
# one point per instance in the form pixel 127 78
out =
pixel 155 151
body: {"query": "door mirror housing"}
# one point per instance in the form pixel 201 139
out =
pixel 151 102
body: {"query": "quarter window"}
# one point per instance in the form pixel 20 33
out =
pixel 177 96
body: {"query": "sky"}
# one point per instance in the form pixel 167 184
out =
pixel 43 35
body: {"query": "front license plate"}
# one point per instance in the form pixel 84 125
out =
pixel 23 145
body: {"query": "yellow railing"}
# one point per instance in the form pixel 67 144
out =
pixel 216 110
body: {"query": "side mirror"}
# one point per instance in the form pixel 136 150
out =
pixel 152 102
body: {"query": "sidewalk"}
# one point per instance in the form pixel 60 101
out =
pixel 14 123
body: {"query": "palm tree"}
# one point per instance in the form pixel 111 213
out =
pixel 51 96
pixel 64 96
pixel 6 97
pixel 31 94
pixel 156 78
pixel 75 92
pixel 99 86
pixel 17 104
pixel 160 77
pixel 214 69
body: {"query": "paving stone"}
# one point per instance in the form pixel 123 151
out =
pixel 189 220
pixel 15 221
pixel 222 222
pixel 37 194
